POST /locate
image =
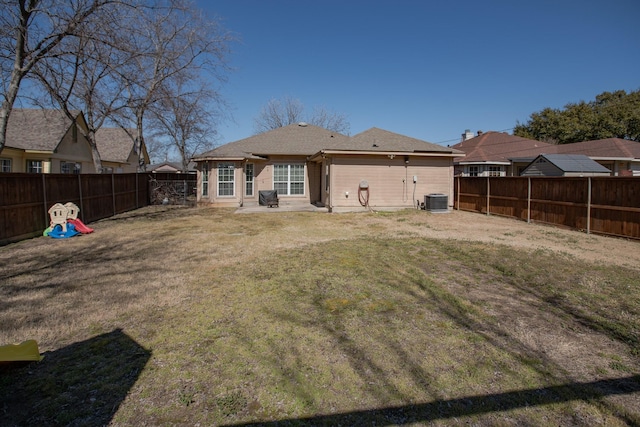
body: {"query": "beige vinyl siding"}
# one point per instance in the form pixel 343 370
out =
pixel 390 180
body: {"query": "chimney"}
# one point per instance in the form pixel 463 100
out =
pixel 479 132
pixel 467 135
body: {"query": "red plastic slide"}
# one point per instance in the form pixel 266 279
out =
pixel 80 226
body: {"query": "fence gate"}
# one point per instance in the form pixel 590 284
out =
pixel 172 191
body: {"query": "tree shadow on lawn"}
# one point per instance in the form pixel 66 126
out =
pixel 421 291
pixel 81 384
pixel 467 406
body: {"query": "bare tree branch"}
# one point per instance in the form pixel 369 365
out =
pixel 278 113
pixel 32 31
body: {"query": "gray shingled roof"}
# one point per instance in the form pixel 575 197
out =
pixel 574 163
pixel 306 140
pixel 114 144
pixel 376 139
pixel 37 129
pixel 294 139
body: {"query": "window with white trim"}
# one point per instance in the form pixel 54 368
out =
pixel 474 170
pixel 34 166
pixel 288 179
pixel 70 167
pixel 495 170
pixel 5 165
pixel 226 179
pixel 205 179
pixel 248 174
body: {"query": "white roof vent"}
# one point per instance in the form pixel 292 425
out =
pixel 302 124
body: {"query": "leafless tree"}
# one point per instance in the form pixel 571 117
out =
pixel 30 32
pixel 129 60
pixel 175 44
pixel 278 113
pixel 330 120
pixel 89 73
pixel 185 119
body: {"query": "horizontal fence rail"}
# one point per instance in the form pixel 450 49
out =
pixel 603 205
pixel 25 198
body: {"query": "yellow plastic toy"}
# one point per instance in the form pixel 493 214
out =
pixel 27 350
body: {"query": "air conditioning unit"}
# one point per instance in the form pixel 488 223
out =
pixel 436 202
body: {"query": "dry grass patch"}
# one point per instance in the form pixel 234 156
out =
pixel 202 316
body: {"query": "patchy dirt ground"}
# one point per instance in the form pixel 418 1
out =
pixel 494 229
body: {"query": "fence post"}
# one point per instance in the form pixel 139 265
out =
pixel 529 200
pixel 113 193
pixel 589 205
pixel 80 192
pixel 137 195
pixel 44 197
pixel 458 179
pixel 184 192
pixel 488 196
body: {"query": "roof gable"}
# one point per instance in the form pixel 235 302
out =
pixel 573 163
pixel 38 129
pixel 115 144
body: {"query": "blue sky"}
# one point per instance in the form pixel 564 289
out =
pixel 426 69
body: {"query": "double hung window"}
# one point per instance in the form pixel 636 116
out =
pixel 205 179
pixel 226 179
pixel 288 179
pixel 248 174
pixel 34 166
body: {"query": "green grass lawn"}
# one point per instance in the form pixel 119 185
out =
pixel 202 317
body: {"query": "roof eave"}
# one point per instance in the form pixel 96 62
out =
pixel 39 151
pixel 387 153
pixel 621 159
pixel 485 162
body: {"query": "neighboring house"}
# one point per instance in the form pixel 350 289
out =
pixel 565 165
pixel 501 154
pixel 491 154
pixel 620 156
pixel 375 169
pixel 119 152
pixel 171 167
pixel 46 141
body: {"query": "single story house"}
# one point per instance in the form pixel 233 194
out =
pixel 620 156
pixel 47 141
pixel 171 167
pixel 501 154
pixel 375 169
pixel 565 165
pixel 491 154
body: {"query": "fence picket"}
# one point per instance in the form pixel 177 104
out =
pixel 24 205
pixel 609 205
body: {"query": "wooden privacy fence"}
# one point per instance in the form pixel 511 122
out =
pixel 604 205
pixel 26 198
